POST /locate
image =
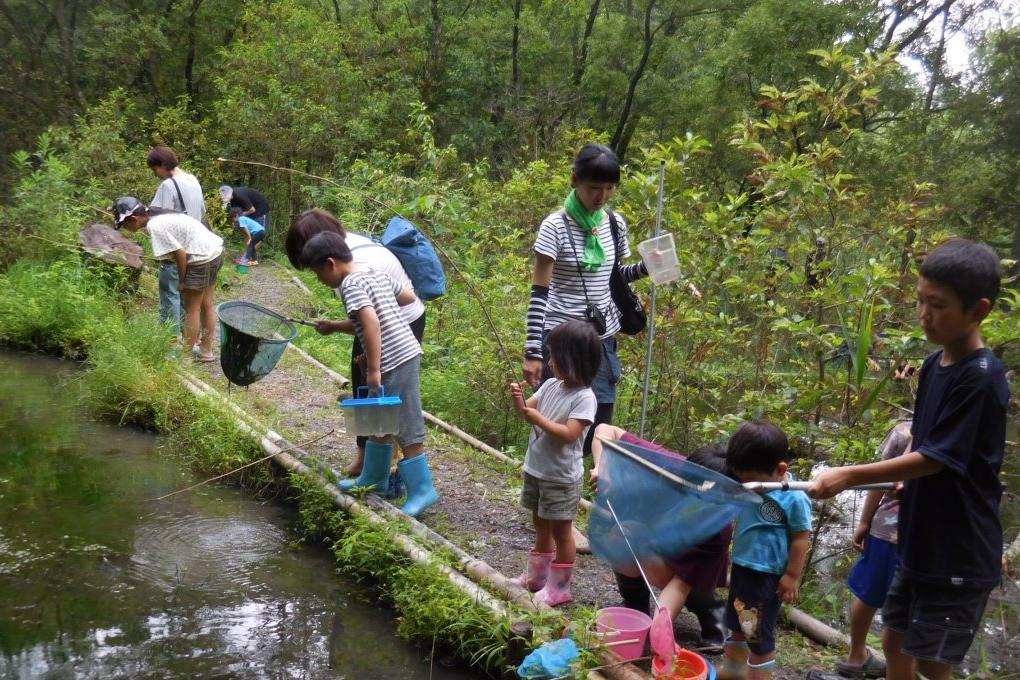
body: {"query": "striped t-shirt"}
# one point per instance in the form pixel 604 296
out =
pixel 566 293
pixel 362 289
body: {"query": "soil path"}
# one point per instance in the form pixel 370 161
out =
pixel 479 507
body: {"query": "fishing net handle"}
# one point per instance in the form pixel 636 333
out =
pixel 615 446
pixel 804 486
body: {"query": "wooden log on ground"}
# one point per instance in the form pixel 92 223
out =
pixel 820 632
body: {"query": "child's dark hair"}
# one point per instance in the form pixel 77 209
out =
pixel 972 270
pixel 712 457
pixel 304 227
pixel 597 163
pixel 235 212
pixel 325 246
pixel 162 157
pixel 577 350
pixel 757 446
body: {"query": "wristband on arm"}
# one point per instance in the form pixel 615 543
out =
pixel 536 321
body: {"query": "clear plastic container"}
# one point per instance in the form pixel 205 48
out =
pixel 659 254
pixel 368 416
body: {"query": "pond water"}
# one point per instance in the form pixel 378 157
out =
pixel 99 581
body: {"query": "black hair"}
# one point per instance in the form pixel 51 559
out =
pixel 712 457
pixel 235 212
pixel 304 227
pixel 757 446
pixel 577 350
pixel 597 163
pixel 971 270
pixel 162 156
pixel 324 246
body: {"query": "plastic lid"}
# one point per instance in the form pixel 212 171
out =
pixel 382 400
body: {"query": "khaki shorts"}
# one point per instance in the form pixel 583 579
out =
pixel 551 500
pixel 201 276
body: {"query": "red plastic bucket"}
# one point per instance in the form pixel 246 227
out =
pixel 686 666
pixel 625 629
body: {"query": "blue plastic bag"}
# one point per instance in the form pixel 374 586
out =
pixel 551 660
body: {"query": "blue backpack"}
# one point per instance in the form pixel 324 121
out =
pixel 417 257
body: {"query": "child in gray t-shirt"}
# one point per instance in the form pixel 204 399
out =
pixel 560 413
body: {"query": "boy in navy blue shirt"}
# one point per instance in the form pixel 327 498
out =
pixel 950 537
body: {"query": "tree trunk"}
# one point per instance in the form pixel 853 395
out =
pixel 628 103
pixel 581 58
pixel 937 65
pixel 515 67
pixel 434 67
pixel 189 61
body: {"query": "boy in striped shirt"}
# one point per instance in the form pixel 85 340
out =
pixel 392 360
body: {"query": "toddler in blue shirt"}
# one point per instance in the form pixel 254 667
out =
pixel 770 548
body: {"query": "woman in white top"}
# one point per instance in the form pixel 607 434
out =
pixel 367 255
pixel 198 254
pixel 180 191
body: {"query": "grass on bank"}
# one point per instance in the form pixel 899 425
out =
pixel 64 307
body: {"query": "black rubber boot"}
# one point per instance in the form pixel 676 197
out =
pixel 634 592
pixel 711 613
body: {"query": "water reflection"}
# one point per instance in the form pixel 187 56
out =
pixel 99 581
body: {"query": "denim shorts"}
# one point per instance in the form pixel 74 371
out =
pixel 551 500
pixel 938 623
pixel 753 607
pixel 403 381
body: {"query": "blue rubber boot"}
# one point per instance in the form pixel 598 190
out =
pixel 376 470
pixel 418 480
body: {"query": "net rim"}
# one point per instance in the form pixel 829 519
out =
pixel 231 304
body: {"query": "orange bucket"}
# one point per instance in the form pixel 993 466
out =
pixel 686 666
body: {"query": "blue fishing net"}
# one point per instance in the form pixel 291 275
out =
pixel 662 515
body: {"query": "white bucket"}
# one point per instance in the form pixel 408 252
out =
pixel 659 254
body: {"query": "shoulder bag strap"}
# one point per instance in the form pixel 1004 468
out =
pixel 180 196
pixel 577 260
pixel 615 229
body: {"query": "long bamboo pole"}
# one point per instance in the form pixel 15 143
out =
pixel 651 306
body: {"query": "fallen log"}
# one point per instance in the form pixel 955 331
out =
pixel 109 245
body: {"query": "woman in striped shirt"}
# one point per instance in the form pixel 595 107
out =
pixel 574 255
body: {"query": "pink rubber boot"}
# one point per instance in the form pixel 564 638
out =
pixel 537 573
pixel 557 588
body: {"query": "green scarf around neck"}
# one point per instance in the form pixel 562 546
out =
pixel 594 255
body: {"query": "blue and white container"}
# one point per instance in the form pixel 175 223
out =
pixel 367 416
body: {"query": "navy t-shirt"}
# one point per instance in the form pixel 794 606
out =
pixel 246 197
pixel 949 529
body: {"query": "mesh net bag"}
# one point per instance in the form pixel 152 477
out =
pixel 665 504
pixel 252 340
